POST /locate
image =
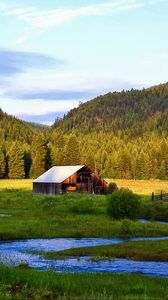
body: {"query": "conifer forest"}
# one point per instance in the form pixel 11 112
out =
pixel 118 135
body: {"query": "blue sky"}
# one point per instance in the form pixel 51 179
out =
pixel 55 54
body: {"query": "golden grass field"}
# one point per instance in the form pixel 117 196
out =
pixel 25 184
pixel 143 187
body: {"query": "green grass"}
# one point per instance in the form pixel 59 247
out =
pixel 69 215
pixel 137 250
pixel 22 284
pixel 75 215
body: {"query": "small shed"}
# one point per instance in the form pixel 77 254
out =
pixel 61 179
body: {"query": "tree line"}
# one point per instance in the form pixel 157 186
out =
pixel 109 155
pixel 118 135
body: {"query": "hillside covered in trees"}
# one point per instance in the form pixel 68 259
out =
pixel 132 112
pixel 119 135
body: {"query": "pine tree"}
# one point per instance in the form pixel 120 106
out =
pixel 163 171
pixel 16 161
pixel 89 161
pixel 39 152
pixel 2 163
pixel 72 154
pixel 142 168
pixel 28 162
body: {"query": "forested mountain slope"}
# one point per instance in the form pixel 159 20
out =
pixel 133 112
pixel 12 129
pixel 23 148
pixel 119 135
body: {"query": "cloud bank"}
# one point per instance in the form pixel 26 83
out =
pixel 13 62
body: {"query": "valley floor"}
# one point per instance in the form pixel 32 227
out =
pixel 75 215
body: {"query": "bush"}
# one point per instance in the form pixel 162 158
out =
pixel 112 187
pixel 155 210
pixel 123 203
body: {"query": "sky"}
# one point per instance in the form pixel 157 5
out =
pixel 56 54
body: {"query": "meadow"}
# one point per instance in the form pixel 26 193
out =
pixel 22 184
pixel 79 215
pixel 142 187
pixel 71 215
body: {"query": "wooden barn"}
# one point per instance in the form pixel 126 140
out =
pixel 61 179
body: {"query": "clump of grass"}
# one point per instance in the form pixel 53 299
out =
pixel 23 266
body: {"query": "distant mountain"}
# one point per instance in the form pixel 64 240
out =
pixel 133 112
pixel 12 129
pixel 38 126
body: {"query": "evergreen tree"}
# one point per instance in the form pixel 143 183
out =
pixel 39 152
pixel 163 170
pixel 16 161
pixel 2 163
pixel 124 164
pixel 108 168
pixel 142 168
pixel 28 162
pixel 72 154
pixel 89 161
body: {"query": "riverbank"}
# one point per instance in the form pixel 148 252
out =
pixel 135 250
pixel 16 283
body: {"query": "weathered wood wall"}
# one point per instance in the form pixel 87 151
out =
pixel 47 188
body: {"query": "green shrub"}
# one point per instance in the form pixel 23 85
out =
pixel 155 210
pixel 123 203
pixel 112 187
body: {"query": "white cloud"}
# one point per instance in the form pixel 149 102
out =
pixel 38 21
pixel 36 107
pixel 51 18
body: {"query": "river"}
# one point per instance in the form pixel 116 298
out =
pixel 13 253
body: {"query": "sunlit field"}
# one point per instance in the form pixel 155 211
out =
pixel 142 187
pixel 25 184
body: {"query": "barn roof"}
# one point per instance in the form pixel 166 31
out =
pixel 57 174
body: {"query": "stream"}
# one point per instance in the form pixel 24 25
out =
pixel 13 253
